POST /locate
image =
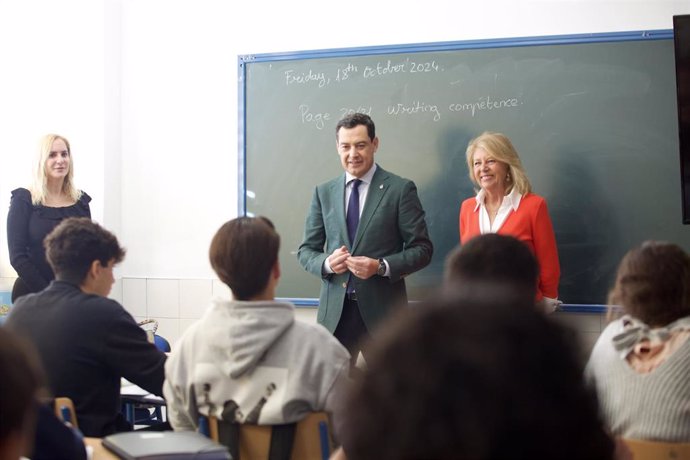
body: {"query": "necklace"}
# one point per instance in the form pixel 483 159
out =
pixel 492 212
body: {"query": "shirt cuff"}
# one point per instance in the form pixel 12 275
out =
pixel 550 305
pixel 326 268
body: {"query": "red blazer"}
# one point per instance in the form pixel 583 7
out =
pixel 530 224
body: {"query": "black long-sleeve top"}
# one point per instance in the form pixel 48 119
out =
pixel 27 227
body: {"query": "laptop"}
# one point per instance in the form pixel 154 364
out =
pixel 159 445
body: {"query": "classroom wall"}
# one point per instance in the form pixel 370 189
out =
pixel 146 91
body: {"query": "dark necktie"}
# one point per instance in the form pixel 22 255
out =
pixel 352 217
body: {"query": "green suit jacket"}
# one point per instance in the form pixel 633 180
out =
pixel 391 226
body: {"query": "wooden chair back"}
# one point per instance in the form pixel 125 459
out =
pixel 657 450
pixel 312 438
pixel 64 410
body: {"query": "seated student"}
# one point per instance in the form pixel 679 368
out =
pixel 640 365
pixel 248 360
pixel 493 258
pixel 27 426
pixel 86 341
pixel 477 375
pixel 54 439
pixel 21 380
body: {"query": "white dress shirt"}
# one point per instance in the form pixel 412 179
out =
pixel 510 203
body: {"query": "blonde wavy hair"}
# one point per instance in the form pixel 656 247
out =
pixel 39 188
pixel 501 149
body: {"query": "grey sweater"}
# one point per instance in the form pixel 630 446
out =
pixel 653 406
pixel 252 362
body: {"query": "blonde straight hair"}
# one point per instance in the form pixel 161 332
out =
pixel 39 188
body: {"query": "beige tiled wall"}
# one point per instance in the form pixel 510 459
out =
pixel 176 304
pixel 588 326
pixel 6 284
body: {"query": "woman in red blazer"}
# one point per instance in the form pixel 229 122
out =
pixel 505 204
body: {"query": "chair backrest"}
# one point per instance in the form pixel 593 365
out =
pixel 64 410
pixel 313 437
pixel 657 450
pixel 161 343
pixel 310 438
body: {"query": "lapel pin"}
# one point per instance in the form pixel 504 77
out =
pixel 381 186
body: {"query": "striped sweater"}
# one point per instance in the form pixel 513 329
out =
pixel 654 406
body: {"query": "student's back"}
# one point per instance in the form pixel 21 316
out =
pixel 253 362
pixel 479 375
pixel 86 344
pixel 86 341
pixel 248 360
pixel 27 427
pixel 640 365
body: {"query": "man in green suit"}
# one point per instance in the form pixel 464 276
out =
pixel 362 276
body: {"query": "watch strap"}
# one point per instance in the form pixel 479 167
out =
pixel 382 268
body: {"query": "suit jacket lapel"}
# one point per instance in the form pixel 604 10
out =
pixel 377 189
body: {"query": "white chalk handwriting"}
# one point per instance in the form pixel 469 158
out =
pixel 349 111
pixel 317 119
pixel 417 108
pixel 484 103
pixel 349 71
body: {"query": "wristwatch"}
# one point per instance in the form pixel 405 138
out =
pixel 382 268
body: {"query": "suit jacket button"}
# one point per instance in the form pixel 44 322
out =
pixel 344 285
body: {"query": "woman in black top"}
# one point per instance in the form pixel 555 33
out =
pixel 36 211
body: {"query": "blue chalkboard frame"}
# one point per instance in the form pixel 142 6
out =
pixel 243 60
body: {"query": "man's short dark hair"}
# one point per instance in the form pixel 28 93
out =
pixel 493 258
pixel 22 379
pixel 243 253
pixel 75 244
pixel 476 375
pixel 354 120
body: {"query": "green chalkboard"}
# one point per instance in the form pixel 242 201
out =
pixel 593 118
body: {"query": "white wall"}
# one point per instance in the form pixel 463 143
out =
pixel 179 130
pixel 51 80
pixel 146 90
pixel 180 92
